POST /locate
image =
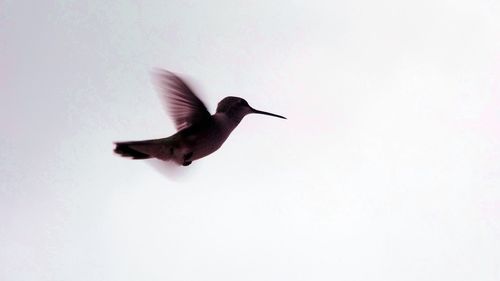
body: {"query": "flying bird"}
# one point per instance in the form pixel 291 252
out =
pixel 198 132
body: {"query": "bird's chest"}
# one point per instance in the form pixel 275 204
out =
pixel 206 140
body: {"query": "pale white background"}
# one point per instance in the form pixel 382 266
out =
pixel 388 167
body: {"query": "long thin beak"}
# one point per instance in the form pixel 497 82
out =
pixel 267 113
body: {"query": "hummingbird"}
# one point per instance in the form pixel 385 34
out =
pixel 198 132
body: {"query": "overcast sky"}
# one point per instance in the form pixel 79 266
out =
pixel 388 167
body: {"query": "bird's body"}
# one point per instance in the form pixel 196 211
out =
pixel 200 133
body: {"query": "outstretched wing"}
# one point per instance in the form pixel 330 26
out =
pixel 183 106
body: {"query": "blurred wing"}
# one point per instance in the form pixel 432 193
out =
pixel 183 106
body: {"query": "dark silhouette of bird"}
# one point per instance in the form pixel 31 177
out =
pixel 198 132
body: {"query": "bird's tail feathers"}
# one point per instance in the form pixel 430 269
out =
pixel 158 148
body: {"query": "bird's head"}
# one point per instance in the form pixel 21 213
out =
pixel 236 108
